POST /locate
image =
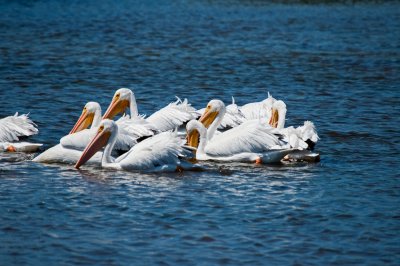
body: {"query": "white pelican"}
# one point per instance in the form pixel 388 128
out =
pixel 252 141
pixel 130 129
pixel 12 128
pixel 158 153
pixel 168 118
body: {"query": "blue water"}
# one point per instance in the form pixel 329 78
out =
pixel 337 65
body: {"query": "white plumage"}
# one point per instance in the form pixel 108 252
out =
pixel 308 132
pixel 172 116
pixel 257 134
pixel 291 136
pixel 158 152
pixel 258 110
pixel 233 116
pixel 16 126
pixel 251 136
pixel 248 142
pixel 296 137
pixel 12 128
pixel 59 154
pixel 137 127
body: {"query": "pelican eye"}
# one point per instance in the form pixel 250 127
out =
pixel 117 95
pixel 101 128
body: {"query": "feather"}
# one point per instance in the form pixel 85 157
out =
pixel 251 136
pixel 173 115
pixel 308 131
pixel 160 150
pixel 258 110
pixel 14 127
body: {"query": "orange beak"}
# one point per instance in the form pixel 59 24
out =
pixel 273 121
pixel 84 121
pixel 192 138
pixel 116 107
pixel 98 142
pixel 208 117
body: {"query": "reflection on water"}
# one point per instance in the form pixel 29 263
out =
pixel 336 65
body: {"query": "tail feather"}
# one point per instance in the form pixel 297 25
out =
pixel 16 126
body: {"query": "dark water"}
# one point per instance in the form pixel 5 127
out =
pixel 337 65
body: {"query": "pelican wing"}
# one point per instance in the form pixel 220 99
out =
pixel 125 140
pixel 136 126
pixel 173 115
pixel 251 136
pixel 158 151
pixel 13 127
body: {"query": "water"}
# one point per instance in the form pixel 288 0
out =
pixel 337 65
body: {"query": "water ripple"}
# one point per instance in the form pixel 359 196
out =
pixel 335 64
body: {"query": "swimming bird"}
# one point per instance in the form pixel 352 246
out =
pixel 158 153
pixel 168 118
pixel 12 128
pixel 252 141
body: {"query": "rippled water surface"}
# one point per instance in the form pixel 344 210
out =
pixel 337 65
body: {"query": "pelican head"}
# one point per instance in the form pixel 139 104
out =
pixel 106 130
pixel 91 114
pixel 278 114
pixel 194 131
pixel 120 102
pixel 213 109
